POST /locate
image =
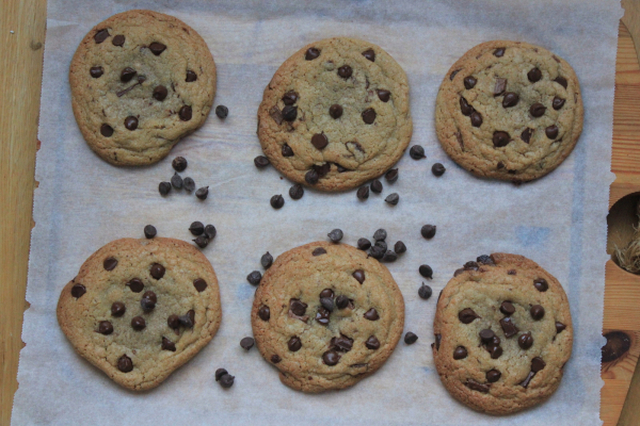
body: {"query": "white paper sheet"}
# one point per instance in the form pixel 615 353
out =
pixel 82 203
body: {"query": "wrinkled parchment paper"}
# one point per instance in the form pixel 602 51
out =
pixel 82 203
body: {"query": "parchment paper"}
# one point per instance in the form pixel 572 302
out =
pixel 82 203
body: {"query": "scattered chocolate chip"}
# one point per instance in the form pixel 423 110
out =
pixel 110 263
pixel 210 231
pixel 101 36
pixel 392 175
pixel 438 169
pixel 364 244
pixel 176 181
pixel 384 95
pixel 417 152
pixel 96 72
pixel 202 193
pixel 500 86
pixel 345 71
pixel 118 309
pixel 201 241
pixel 526 134
pixel 261 161
pixel 124 362
pixel 330 358
pixel 106 130
pixel 425 291
pixel 561 81
pixel 359 275
pixel 476 119
pixel 219 373
pixel 160 93
pixel 541 284
pixel 222 112
pixel 264 313
pixel 311 54
pixel 266 260
pixel 372 343
pixel 467 316
pixel 342 302
pixel 254 277
pixel 371 315
pixel 157 271
pixel 382 244
pixel 196 228
pixel 135 285
pixel 558 103
pixel 560 327
pixel 510 100
pixel 534 75
pixel 319 140
pixel 410 338
pixel 537 110
pixel 501 139
pixel 294 344
pixel 499 52
pixel 465 108
pixel 369 54
pixel 318 251
pixel 493 376
pixel 376 186
pixel 277 201
pixel 226 380
pixel 369 115
pixel 188 184
pixel 508 327
pixel 150 231
pixel 127 74
pixel 377 252
pixel 469 82
pixel 247 343
pixel 551 131
pixel 426 271
pixel 460 353
pixel 335 111
pixel 138 323
pixel 525 341
pixel 131 122
pixel 537 312
pixel 507 308
pixel 335 235
pixel 428 231
pixel 363 192
pixel 618 343
pixel 392 199
pixel 290 98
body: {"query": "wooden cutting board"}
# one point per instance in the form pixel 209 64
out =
pixel 22 28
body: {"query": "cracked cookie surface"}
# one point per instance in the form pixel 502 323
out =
pixel 139 309
pixel 503 334
pixel 336 114
pixel 326 316
pixel 140 81
pixel 509 110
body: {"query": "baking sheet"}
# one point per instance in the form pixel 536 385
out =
pixel 82 203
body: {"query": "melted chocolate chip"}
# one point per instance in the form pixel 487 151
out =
pixel 508 327
pixel 476 119
pixel 105 327
pixel 322 316
pixel 342 302
pixel 499 52
pixel 286 151
pixel 560 327
pixel 96 72
pixel 160 93
pixel 561 81
pixel 525 341
pixel 460 353
pixel 330 358
pixel 507 308
pixel 106 130
pixel 372 343
pixel 372 315
pixel 297 307
pixel 469 82
pixel 138 323
pixel 127 74
pixel 118 309
pixel 618 343
pixel 465 108
pixel 124 362
pixel 110 263
pixel 487 335
pixel 510 100
pixel 541 284
pixel 173 322
pixel 558 103
pixel 359 275
pixel 318 251
pixel 200 284
pixel 294 344
pixel 500 86
pixel 185 113
pixel 341 343
pixel 335 111
pixel 369 115
pixel 157 48
pixel 275 359
pixel 101 36
pixel 311 54
pixel 369 54
pixel 537 312
pixel 131 123
pixel 320 141
pixel 537 364
pixel 467 316
pixel 551 131
pixel 537 110
pixel 526 135
pixel 290 97
pixel 501 139
pixel 191 76
pixel 289 113
pixel 157 271
pixel 476 386
pixel 135 285
pixel 345 71
pixel 493 376
pixel 534 75
pixel 168 345
pixel 384 95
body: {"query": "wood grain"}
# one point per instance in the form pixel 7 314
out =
pixel 20 76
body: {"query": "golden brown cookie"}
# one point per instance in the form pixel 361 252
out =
pixel 139 309
pixel 509 110
pixel 140 81
pixel 503 334
pixel 326 315
pixel 336 114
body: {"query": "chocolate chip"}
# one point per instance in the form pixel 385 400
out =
pixel 392 199
pixel 150 231
pixel 537 364
pixel 499 52
pixel 342 302
pixel 222 112
pixel 277 201
pixel 124 362
pixel 110 263
pixel 426 271
pixel 467 316
pixel 382 244
pixel 525 341
pixel 210 231
pixel 460 353
pixel 359 275
pixel 465 108
pixel 322 316
pixel 168 345
pixel 417 152
pixel 345 71
pixel 500 86
pixel 131 122
pixel 319 140
pixel 138 323
pixel 330 358
pixel 127 74
pixel 264 313
pixel 164 188
pixel 173 322
pixel 485 260
pixel 118 309
pixel 399 247
pixel 364 244
pixel 437 336
pixel 157 48
pixel 318 251
pixel 458 272
pixel 560 327
pixel 384 95
pixel 254 277
pixel 508 327
pixel 311 54
pixel 261 161
pixel 537 110
pixel 160 93
pixel 372 343
pixel 510 100
pixel 438 169
pixel 290 98
pixel 428 231
pixel 507 308
pixel 196 228
pixel 501 139
pixel 369 54
pixel 135 285
pixel 297 307
pixel 493 376
pixel 558 103
pixel 480 387
pixel 369 115
pixel 185 113
pixel 469 82
pixel 376 186
pixel 289 113
pixel 187 320
pixel 202 193
pixel 188 184
pixel 341 343
pixel 96 72
pixel 327 303
pixel 377 252
pixel 425 291
pixel 551 131
pixel 148 301
pixel 101 36
pixel 335 111
pixel 541 284
pixel 247 343
pixel 534 75
pixel 287 151
pixel 371 315
pixel 191 76
pixel 537 312
pixel 392 175
pixel 106 130
pixel 495 351
pixel 176 181
pixel 201 241
pixel 618 343
pixel 105 327
pixel 363 193
pixel 157 271
pixel 453 74
pixel 486 335
pixel 294 344
pixel 335 235
pixel 226 381
pixel 526 135
pixel 410 338
pixel 476 119
pixel 561 81
pixel 219 373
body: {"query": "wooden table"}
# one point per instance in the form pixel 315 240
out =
pixel 22 30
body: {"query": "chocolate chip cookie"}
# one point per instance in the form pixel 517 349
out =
pixel 140 81
pixel 139 309
pixel 336 114
pixel 503 334
pixel 509 110
pixel 326 315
